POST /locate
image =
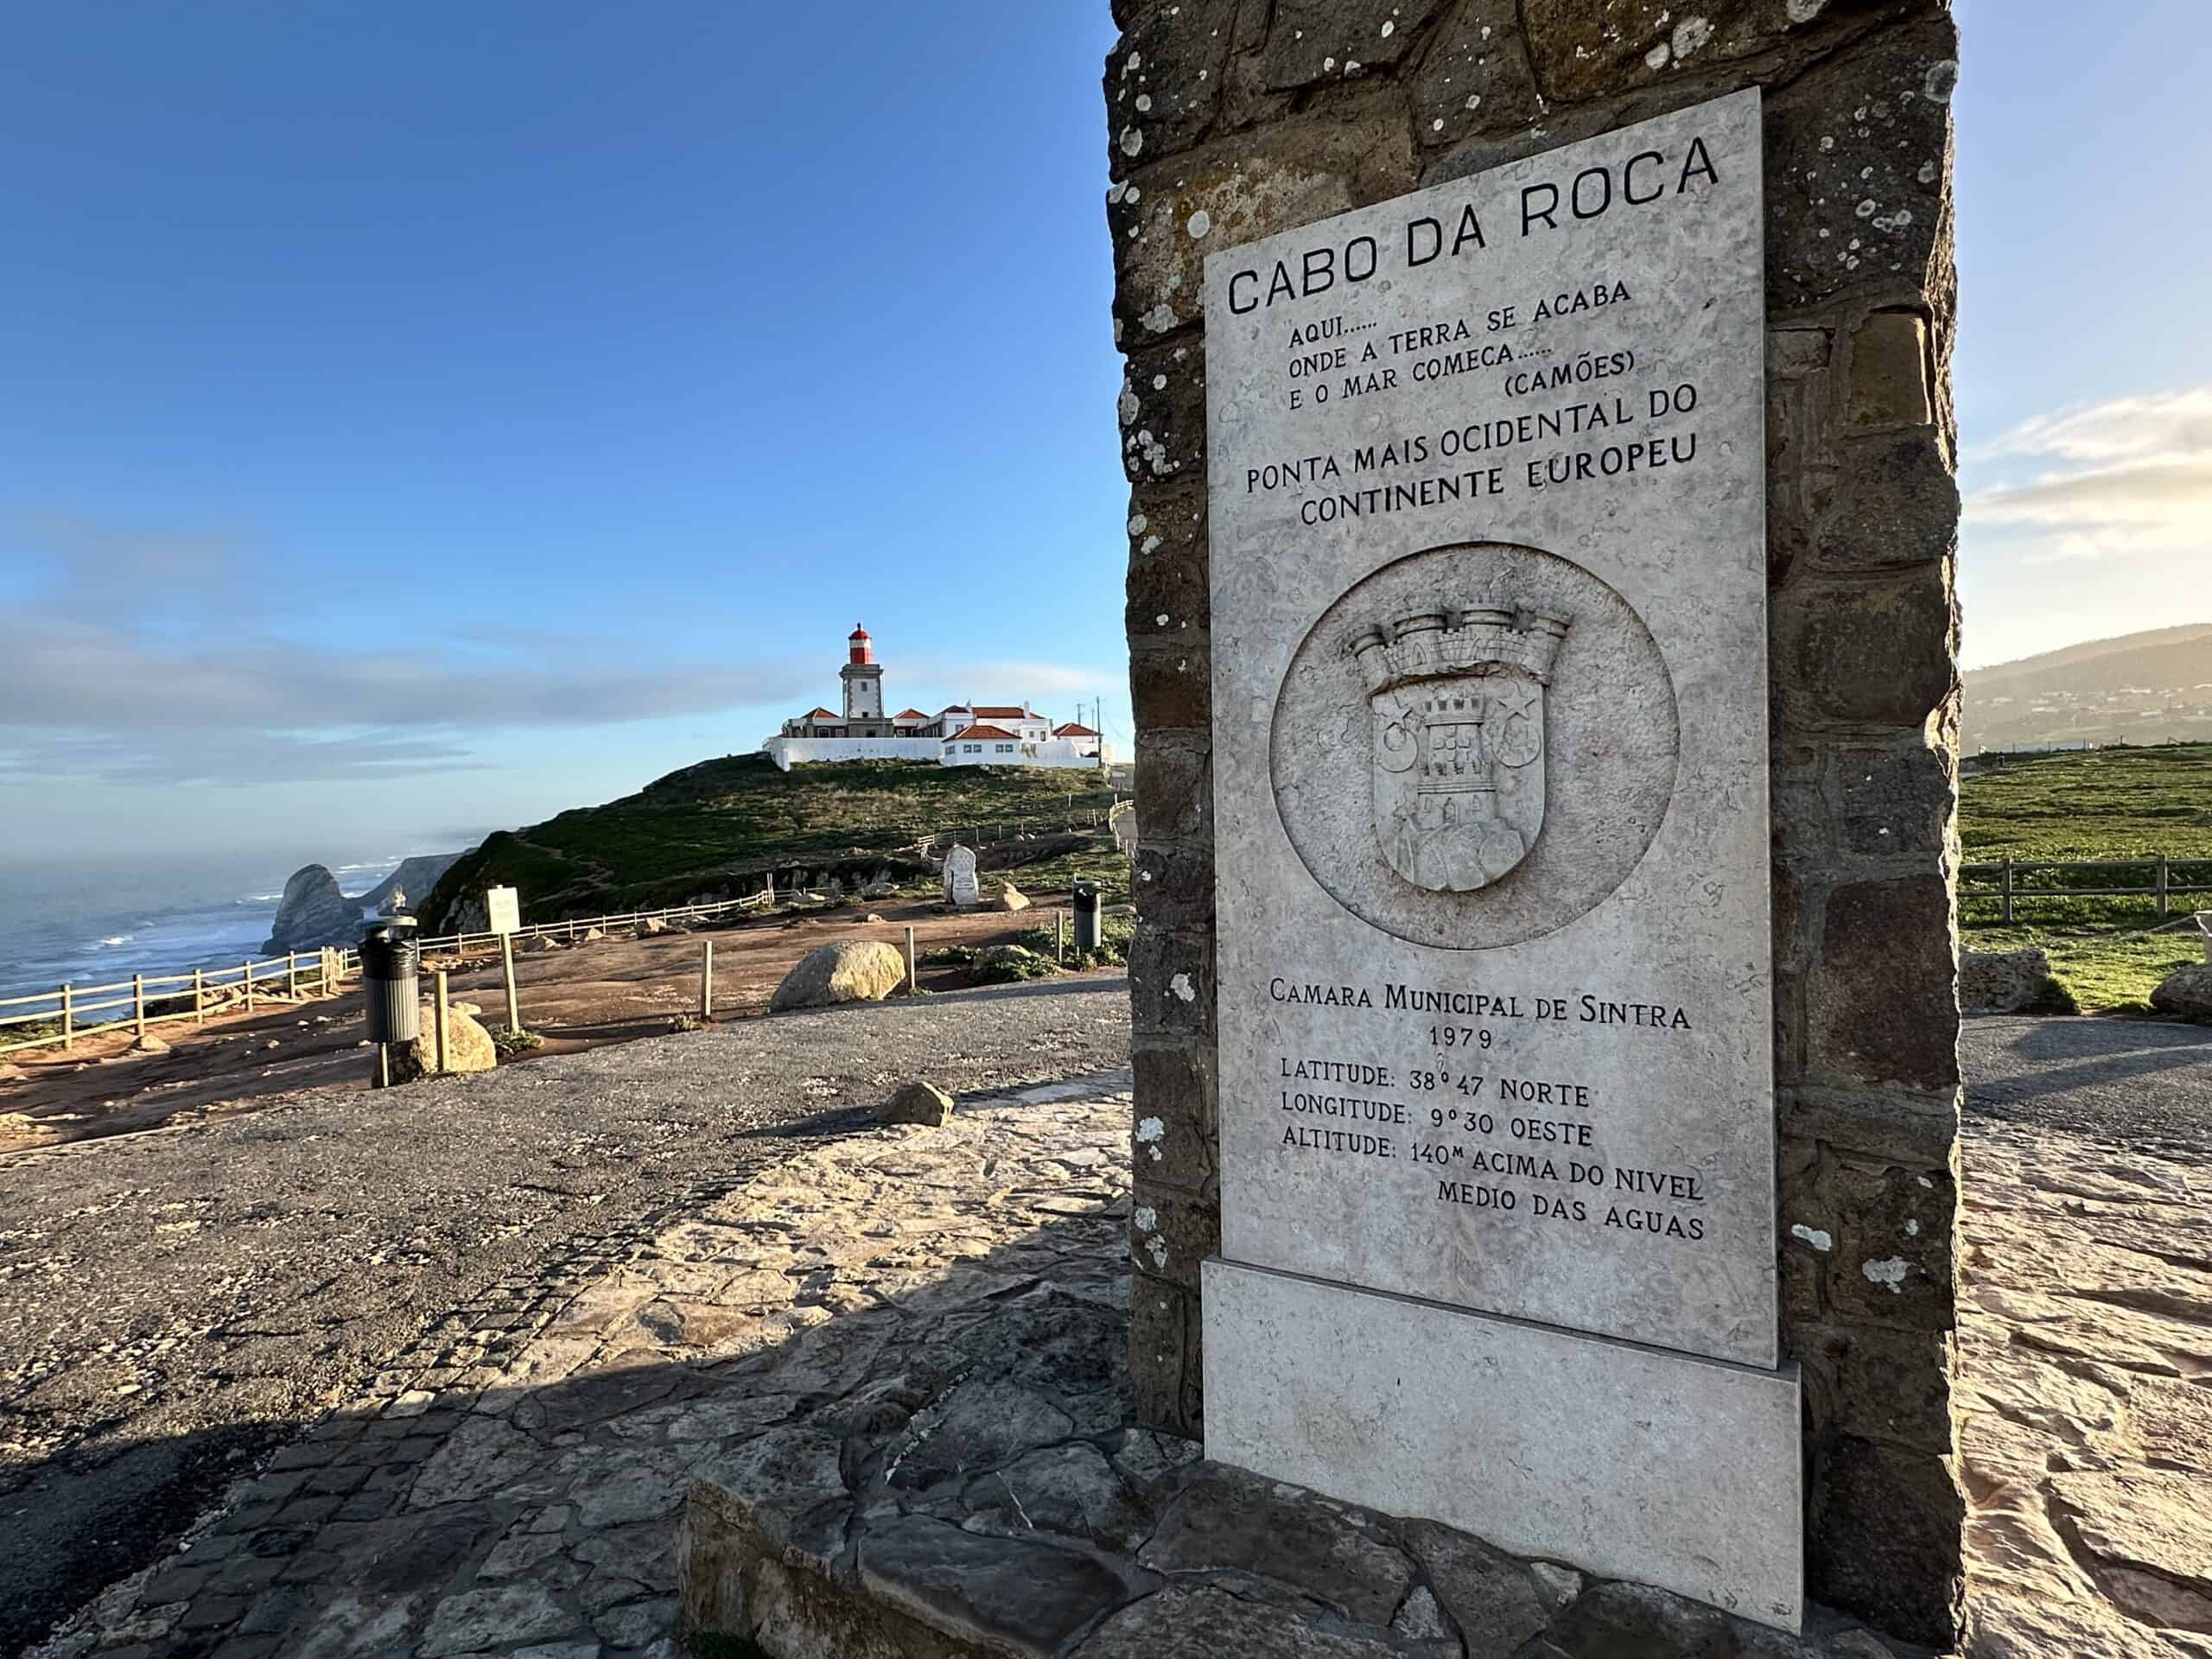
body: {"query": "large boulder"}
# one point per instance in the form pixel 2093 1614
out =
pixel 851 970
pixel 313 913
pixel 469 1046
pixel 2003 982
pixel 2186 991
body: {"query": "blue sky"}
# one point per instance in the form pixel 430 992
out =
pixel 424 418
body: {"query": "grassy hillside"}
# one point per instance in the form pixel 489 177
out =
pixel 711 824
pixel 2106 804
pixel 2154 686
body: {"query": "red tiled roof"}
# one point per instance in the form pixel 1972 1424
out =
pixel 980 731
pixel 1073 730
pixel 909 713
pixel 1003 711
pixel 820 714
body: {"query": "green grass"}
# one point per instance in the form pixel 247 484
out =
pixel 707 826
pixel 2104 803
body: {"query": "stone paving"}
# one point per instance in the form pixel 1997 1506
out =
pixel 2087 1356
pixel 893 1365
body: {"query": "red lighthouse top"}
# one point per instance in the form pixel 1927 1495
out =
pixel 861 651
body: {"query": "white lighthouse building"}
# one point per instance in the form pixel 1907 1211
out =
pixel 960 735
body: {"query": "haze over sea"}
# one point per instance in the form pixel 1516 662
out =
pixel 92 920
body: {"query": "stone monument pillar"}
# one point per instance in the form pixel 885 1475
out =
pixel 1543 672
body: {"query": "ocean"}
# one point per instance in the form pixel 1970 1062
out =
pixel 92 921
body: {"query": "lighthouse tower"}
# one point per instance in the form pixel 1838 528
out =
pixel 863 678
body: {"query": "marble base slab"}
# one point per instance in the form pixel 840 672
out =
pixel 1626 1461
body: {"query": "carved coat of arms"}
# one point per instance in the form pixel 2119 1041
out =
pixel 1457 700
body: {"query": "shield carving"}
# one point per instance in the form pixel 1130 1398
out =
pixel 1457 697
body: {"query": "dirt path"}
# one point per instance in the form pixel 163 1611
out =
pixel 610 990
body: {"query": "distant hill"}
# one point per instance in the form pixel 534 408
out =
pixel 2154 686
pixel 712 828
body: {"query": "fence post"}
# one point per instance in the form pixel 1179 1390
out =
pixel 707 982
pixel 292 975
pixel 199 997
pixel 139 1004
pixel 2162 886
pixel 1061 937
pixel 439 1016
pixel 245 975
pixel 68 1020
pixel 2007 874
pixel 507 964
pixel 911 985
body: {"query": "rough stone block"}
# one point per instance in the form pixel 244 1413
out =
pixel 1917 1126
pixel 1166 1383
pixel 1884 1001
pixel 1587 49
pixel 1166 218
pixel 1172 1232
pixel 1315 41
pixel 1174 785
pixel 1890 501
pixel 1163 410
pixel 1885 1530
pixel 1871 654
pixel 1879 1384
pixel 1796 351
pixel 1174 883
pixel 1171 979
pixel 1475 77
pixel 1858 169
pixel 1805 1238
pixel 1164 78
pixel 1892 801
pixel 1167 590
pixel 1889 371
pixel 2007 981
pixel 1892 1263
pixel 1173 1133
pixel 1171 681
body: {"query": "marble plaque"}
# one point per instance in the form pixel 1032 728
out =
pixel 1488 575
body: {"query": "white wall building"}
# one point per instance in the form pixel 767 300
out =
pixel 960 735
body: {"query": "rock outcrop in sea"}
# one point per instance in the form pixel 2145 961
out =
pixel 313 914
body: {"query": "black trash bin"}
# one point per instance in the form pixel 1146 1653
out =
pixel 1084 895
pixel 391 959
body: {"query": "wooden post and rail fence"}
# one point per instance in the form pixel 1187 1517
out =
pixel 2160 886
pixel 60 1016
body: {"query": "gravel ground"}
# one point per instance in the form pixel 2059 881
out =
pixel 2139 1082
pixel 175 1303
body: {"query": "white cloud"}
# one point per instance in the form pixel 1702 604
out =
pixel 164 658
pixel 2128 477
